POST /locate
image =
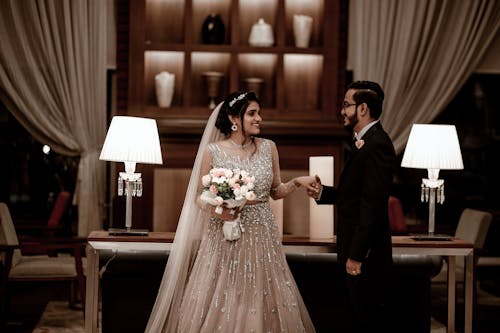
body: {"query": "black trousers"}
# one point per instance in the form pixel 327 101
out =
pixel 369 301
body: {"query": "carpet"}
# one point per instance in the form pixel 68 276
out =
pixel 58 317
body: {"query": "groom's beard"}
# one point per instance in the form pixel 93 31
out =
pixel 351 122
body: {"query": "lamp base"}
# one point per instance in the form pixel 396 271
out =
pixel 431 237
pixel 127 232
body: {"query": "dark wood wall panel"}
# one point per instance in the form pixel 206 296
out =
pixel 299 132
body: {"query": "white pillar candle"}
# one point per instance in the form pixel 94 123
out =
pixel 321 216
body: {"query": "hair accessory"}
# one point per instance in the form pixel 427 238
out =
pixel 236 99
pixel 234 128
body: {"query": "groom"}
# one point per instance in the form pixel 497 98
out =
pixel 363 236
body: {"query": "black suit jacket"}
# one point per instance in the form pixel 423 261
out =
pixel 361 198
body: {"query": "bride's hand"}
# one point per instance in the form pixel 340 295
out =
pixel 309 182
pixel 228 214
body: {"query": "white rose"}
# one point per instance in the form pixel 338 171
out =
pixel 228 173
pixel 219 180
pixel 244 189
pixel 205 180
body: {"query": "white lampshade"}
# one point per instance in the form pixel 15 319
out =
pixel 132 139
pixel 433 146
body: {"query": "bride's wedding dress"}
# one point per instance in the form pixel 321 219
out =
pixel 214 285
pixel 244 285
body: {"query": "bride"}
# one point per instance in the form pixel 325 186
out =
pixel 211 284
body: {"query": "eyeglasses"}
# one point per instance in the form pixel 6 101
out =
pixel 345 105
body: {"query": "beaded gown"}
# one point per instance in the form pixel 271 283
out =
pixel 244 285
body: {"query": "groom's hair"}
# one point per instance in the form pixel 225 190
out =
pixel 370 93
pixel 235 104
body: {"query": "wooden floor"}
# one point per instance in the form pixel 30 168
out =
pixel 29 301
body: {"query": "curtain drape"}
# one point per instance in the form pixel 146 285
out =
pixel 53 80
pixel 420 51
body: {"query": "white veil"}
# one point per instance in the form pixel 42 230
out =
pixel 192 222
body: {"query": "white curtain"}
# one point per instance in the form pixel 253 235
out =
pixel 53 80
pixel 420 51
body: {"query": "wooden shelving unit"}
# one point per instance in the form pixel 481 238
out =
pixel 302 86
pixel 301 94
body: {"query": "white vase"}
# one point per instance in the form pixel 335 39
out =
pixel 164 83
pixel 302 28
pixel 261 34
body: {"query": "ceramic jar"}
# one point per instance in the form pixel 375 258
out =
pixel 261 34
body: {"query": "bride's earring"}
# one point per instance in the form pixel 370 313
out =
pixel 234 128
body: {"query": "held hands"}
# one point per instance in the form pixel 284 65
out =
pixel 309 182
pixel 314 188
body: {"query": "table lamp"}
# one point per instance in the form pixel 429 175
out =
pixel 131 140
pixel 432 147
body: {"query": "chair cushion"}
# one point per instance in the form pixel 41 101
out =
pixel 41 266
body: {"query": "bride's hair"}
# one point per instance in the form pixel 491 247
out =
pixel 235 104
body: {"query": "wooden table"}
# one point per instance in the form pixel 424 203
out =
pixel 162 241
pixel 99 241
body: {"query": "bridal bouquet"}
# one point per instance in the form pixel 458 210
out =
pixel 231 189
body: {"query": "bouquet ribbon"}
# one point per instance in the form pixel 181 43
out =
pixel 232 229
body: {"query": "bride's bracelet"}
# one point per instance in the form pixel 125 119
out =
pixel 282 190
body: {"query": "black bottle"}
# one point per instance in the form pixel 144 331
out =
pixel 213 30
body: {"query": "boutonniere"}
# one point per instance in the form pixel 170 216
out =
pixel 359 143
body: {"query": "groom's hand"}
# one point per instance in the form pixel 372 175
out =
pixel 353 267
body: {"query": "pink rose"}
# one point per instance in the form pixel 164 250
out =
pixel 250 195
pixel 218 201
pixel 213 189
